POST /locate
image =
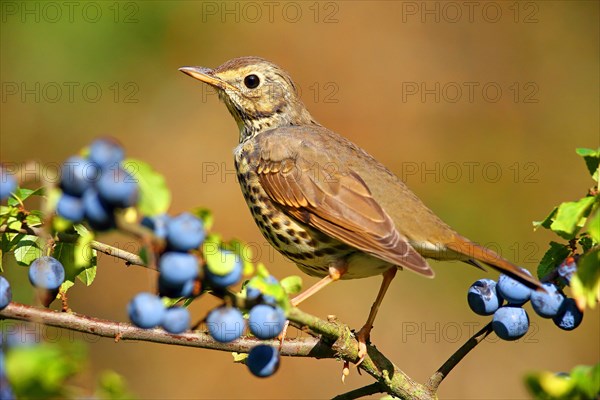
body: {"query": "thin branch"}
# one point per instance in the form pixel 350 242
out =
pixel 130 258
pixel 368 390
pixel 302 347
pixel 344 345
pixel 392 378
pixel 444 370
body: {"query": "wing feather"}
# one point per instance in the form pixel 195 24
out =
pixel 340 204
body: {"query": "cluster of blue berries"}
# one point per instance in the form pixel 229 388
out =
pixel 178 273
pixel 182 276
pixel 95 186
pixel 45 273
pixel 8 183
pixel 266 320
pixel 510 321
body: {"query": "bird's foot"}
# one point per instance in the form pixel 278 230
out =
pixel 363 337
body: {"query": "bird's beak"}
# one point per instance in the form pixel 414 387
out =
pixel 206 75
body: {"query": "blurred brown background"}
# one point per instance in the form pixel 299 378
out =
pixel 479 107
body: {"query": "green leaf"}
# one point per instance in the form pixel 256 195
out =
pixel 221 262
pixel 585 285
pixel 275 290
pixel 27 250
pixel 546 222
pixel 205 215
pixel 582 383
pixel 569 218
pixel 41 371
pixel 23 194
pixel 112 386
pixel 239 357
pixel 292 284
pixel 592 160
pixel 155 196
pixel 245 253
pixel 587 380
pixel 34 218
pixel 79 261
pixel 548 385
pixel 593 226
pixel 553 257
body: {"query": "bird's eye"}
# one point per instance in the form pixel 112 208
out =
pixel 251 81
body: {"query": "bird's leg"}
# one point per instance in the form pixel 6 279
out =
pixel 363 335
pixel 335 273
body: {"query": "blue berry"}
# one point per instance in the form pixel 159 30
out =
pixel 5 293
pixel 46 273
pixel 233 277
pixel 106 152
pixel 569 316
pixel 8 184
pixel 225 324
pixel 146 310
pixel 118 188
pixel 567 268
pixel 158 224
pixel 177 268
pixel 176 320
pixel 512 290
pixel 546 302
pixel 6 392
pixel 99 214
pixel 510 323
pixel 254 294
pixel 483 298
pixel 185 232
pixel 186 289
pixel 77 175
pixel 263 360
pixel 265 321
pixel 70 207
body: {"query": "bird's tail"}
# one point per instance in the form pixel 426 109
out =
pixel 474 251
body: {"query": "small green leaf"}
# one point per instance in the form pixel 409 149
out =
pixel 112 386
pixel 592 160
pixel 585 285
pixel 569 218
pixel 275 290
pixel 41 371
pixel 593 226
pixel 23 194
pixel 245 253
pixel 292 284
pixel 221 262
pixel 582 383
pixel 239 357
pixel 33 219
pixel 155 196
pixel 587 380
pixel 79 261
pixel 546 222
pixel 553 257
pixel 169 302
pixel 27 250
pixel 205 215
pixel 84 255
pixel 548 385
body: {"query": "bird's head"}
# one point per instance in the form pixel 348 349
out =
pixel 260 95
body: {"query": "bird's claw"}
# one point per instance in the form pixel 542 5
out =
pixel 362 336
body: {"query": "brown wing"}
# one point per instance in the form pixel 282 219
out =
pixel 339 203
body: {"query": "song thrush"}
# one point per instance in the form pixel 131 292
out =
pixel 322 201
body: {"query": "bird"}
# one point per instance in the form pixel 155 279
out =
pixel 324 202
